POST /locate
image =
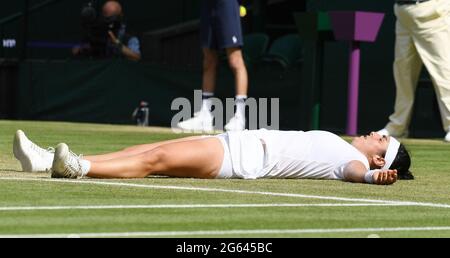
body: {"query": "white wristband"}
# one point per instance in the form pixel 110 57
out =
pixel 369 176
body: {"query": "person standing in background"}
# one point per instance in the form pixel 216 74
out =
pixel 422 37
pixel 220 30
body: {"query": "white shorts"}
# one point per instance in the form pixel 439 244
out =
pixel 244 156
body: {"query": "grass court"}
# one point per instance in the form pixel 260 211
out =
pixel 34 205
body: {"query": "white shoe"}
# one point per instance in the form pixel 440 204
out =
pixel 447 137
pixel 236 124
pixel 32 157
pixel 66 164
pixel 201 122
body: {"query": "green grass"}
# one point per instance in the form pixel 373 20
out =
pixel 431 165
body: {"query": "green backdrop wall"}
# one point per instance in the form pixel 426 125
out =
pixel 109 91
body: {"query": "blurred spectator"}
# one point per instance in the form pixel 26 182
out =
pixel 106 36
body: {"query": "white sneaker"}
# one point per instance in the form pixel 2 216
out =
pixel 447 137
pixel 66 164
pixel 32 157
pixel 236 124
pixel 201 122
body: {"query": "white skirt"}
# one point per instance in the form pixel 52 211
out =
pixel 244 156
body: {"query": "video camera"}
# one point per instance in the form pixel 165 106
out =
pixel 96 26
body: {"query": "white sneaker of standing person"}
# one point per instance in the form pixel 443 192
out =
pixel 447 137
pixel 201 122
pixel 68 165
pixel 235 124
pixel 32 158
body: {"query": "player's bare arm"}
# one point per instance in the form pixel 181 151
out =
pixel 356 172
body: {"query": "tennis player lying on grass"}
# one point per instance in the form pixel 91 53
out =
pixel 373 158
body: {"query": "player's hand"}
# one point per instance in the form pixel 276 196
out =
pixel 387 177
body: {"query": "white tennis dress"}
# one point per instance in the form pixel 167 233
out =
pixel 286 154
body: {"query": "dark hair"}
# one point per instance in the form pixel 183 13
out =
pixel 402 163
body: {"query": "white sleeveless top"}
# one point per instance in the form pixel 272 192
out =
pixel 306 155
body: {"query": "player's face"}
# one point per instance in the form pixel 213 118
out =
pixel 373 143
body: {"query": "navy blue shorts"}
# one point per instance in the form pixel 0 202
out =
pixel 221 24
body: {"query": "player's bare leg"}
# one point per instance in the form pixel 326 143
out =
pixel 138 149
pixel 200 158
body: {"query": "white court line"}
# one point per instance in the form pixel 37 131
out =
pixel 229 232
pixel 194 206
pixel 94 182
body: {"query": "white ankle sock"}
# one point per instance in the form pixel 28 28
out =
pixel 240 106
pixel 85 167
pixel 207 103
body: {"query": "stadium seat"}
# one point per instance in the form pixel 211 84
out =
pixel 286 51
pixel 255 47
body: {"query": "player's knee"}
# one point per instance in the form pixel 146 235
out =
pixel 156 160
pixel 236 63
